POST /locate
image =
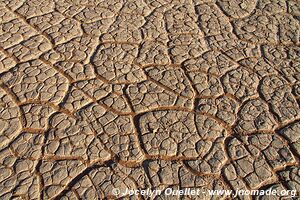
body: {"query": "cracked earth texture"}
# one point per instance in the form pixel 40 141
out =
pixel 96 95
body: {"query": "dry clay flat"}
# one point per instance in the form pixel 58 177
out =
pixel 99 98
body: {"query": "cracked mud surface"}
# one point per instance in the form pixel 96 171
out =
pixel 136 94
